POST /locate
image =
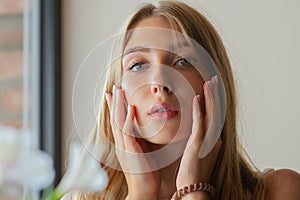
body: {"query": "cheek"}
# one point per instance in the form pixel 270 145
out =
pixel 135 95
pixel 133 87
pixel 198 88
pixel 138 98
pixel 128 87
pixel 196 81
pixel 136 90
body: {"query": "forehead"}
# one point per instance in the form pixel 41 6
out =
pixel 153 33
pixel 158 22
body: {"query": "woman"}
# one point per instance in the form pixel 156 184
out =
pixel 159 116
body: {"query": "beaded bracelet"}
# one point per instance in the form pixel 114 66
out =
pixel 193 188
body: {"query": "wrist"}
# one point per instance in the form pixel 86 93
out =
pixel 201 191
pixel 198 195
pixel 140 196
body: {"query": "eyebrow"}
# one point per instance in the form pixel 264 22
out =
pixel 136 49
pixel 180 45
pixel 147 49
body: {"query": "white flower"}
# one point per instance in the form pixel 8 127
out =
pixel 20 165
pixel 85 173
pixel 13 142
pixel 34 171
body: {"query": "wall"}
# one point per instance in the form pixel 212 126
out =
pixel 262 40
pixel 11 60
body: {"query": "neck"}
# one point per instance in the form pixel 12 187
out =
pixel 168 180
pixel 168 173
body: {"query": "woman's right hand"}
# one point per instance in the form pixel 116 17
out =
pixel 141 184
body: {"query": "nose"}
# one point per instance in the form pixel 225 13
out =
pixel 160 82
pixel 158 88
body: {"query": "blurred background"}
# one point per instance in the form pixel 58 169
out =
pixel 43 44
pixel 11 60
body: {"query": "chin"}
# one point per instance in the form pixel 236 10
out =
pixel 163 133
pixel 160 140
pixel 166 137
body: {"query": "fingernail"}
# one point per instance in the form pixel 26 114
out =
pixel 106 96
pixel 117 92
pixel 199 98
pixel 114 89
pixel 129 108
pixel 208 84
pixel 216 78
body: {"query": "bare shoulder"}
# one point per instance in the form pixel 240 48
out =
pixel 284 184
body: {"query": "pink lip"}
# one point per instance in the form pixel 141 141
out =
pixel 162 111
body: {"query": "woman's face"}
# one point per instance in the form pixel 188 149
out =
pixel 159 81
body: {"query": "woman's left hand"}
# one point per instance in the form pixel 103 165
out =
pixel 194 169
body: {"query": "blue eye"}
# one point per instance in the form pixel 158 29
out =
pixel 137 66
pixel 183 62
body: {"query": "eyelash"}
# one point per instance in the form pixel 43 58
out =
pixel 185 60
pixel 139 63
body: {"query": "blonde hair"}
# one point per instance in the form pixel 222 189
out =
pixel 234 176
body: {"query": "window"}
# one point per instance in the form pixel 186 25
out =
pixel 30 71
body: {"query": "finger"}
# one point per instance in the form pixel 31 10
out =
pixel 120 112
pixel 197 135
pixel 129 140
pixel 196 110
pixel 212 118
pixel 207 99
pixel 219 98
pixel 112 109
pixel 215 87
pixel 216 118
pixel 112 112
pixel 128 124
pixel 109 101
pixel 117 133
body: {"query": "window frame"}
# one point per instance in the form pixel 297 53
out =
pixel 50 80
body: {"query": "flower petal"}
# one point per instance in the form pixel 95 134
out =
pixel 34 171
pixel 85 173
